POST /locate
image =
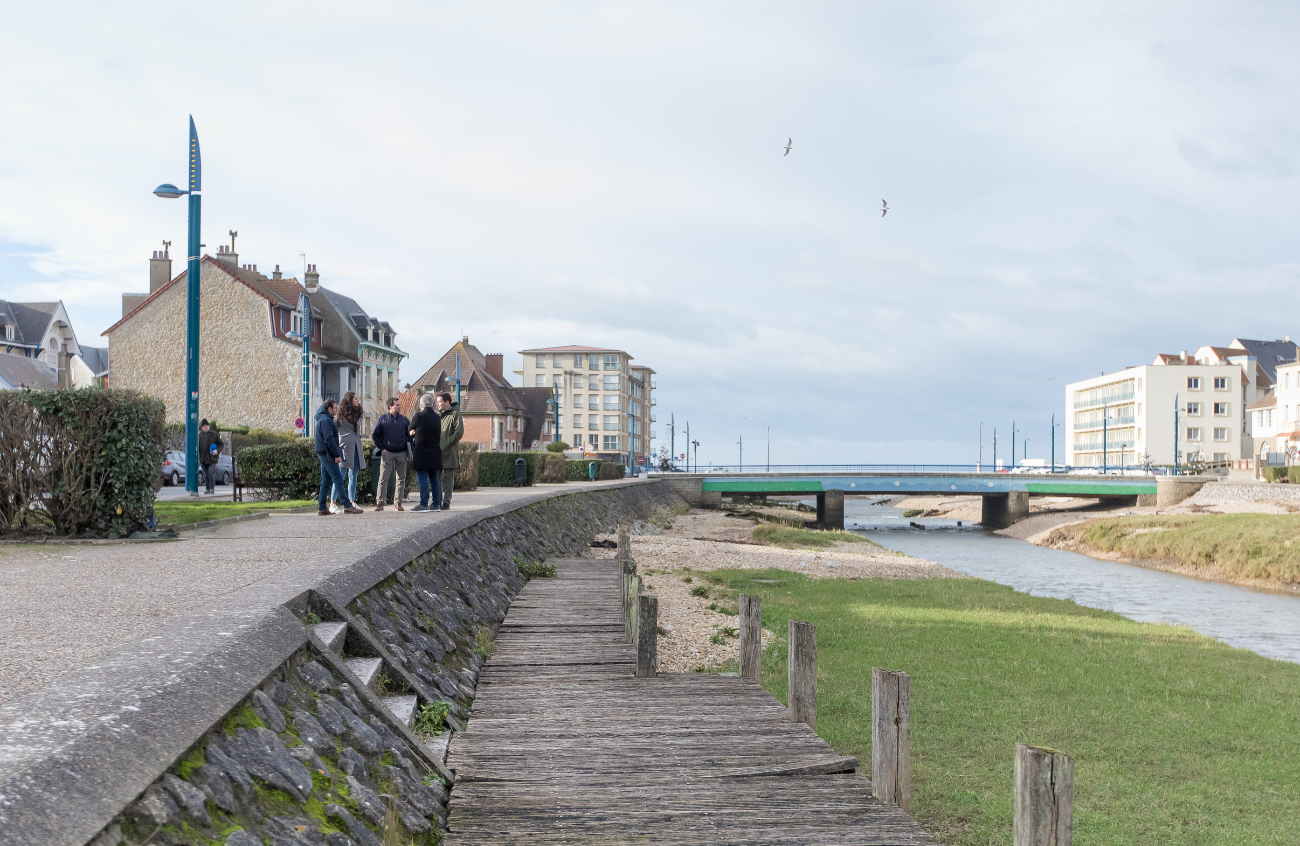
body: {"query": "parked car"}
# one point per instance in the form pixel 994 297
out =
pixel 173 468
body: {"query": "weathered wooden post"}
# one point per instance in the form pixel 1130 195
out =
pixel 647 637
pixel 630 607
pixel 802 673
pixel 891 737
pixel 624 541
pixel 1044 814
pixel 751 636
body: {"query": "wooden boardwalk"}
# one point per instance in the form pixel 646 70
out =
pixel 565 745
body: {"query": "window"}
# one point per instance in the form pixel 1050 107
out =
pixel 541 380
pixel 577 360
pixel 1139 383
pixel 1193 433
pixel 577 400
pixel 594 440
pixel 595 402
pixel 577 421
pixel 1220 456
pixel 1221 382
pixel 611 362
pixel 1220 409
pixel 510 424
pixel 1139 409
pixel 611 383
pixel 283 325
pixel 611 442
pixel 1193 383
pixel 366 383
pixel 611 422
pixel 1194 409
pixel 612 403
pixel 1139 434
pixel 366 430
pixel 578 383
pixel 1221 433
pixel 593 362
pixel 9 332
pixel 541 361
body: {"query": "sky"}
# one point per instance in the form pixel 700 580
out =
pixel 1073 188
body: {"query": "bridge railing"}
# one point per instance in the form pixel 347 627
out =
pixel 1060 469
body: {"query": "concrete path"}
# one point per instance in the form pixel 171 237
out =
pixel 63 606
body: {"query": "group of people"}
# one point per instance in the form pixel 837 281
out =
pixel 429 441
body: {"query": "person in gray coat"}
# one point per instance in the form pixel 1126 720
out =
pixel 354 457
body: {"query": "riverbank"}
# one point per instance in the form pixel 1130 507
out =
pixel 1177 738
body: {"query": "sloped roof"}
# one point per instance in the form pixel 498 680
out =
pixel 480 392
pixel 356 317
pixel 571 349
pixel 535 402
pixel 17 371
pixel 29 320
pixel 1268 354
pixel 1269 401
pixel 96 359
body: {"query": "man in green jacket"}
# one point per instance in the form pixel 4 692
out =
pixel 453 429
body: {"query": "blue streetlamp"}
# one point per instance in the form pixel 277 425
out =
pixel 171 192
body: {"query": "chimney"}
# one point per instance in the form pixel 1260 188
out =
pixel 496 366
pixel 65 376
pixel 229 256
pixel 311 279
pixel 160 270
pixel 1183 355
pixel 130 302
pixel 276 274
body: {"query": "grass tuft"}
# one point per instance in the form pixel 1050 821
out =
pixel 775 534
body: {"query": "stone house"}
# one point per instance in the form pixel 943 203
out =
pixel 374 372
pixel 496 413
pixel 43 334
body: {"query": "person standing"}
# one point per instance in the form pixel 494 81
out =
pixel 453 429
pixel 426 429
pixel 392 437
pixel 354 457
pixel 210 446
pixel 331 456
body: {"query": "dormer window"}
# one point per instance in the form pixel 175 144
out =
pixel 9 332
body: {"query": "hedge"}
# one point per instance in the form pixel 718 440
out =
pixel 497 469
pixel 1282 474
pixel 79 462
pixel 292 471
pixel 575 470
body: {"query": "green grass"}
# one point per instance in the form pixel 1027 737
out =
pixel 1254 546
pixel 1176 738
pixel 179 513
pixel 776 534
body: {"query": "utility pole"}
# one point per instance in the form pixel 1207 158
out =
pixel 1053 442
pixel 672 438
pixel 1013 444
pixel 555 389
pixel 1025 457
pixel 742 451
pixel 995 449
pixel 1104 417
pixel 688 446
pixel 696 444
pixel 979 463
pixel 1176 409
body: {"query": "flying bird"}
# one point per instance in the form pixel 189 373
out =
pixel 789 142
pixel 884 208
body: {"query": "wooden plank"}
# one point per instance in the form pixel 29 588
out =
pixel 751 636
pixel 802 673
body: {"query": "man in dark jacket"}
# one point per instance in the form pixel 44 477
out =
pixel 210 446
pixel 331 456
pixel 391 436
pixel 453 429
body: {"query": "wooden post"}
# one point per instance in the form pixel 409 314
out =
pixel 630 608
pixel 802 673
pixel 647 638
pixel 751 636
pixel 624 541
pixel 1044 813
pixel 891 737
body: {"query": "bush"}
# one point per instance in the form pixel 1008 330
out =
pixel 497 469
pixel 544 467
pixel 281 471
pixel 610 471
pixel 557 446
pixel 467 473
pixel 1293 474
pixel 76 462
pixel 1278 474
pixel 575 470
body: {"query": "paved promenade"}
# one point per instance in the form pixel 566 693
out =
pixel 63 606
pixel 566 745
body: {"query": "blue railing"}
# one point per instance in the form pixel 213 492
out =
pixel 936 469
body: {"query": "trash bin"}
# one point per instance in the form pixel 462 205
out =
pixel 593 470
pixel 521 471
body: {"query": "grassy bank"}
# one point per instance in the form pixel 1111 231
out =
pixel 179 513
pixel 789 537
pixel 1240 546
pixel 1177 738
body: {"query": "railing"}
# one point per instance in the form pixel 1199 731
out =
pixel 1114 421
pixel 612 427
pixel 593 426
pixel 938 469
pixel 1111 400
pixel 329 395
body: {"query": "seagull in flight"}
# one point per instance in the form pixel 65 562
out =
pixel 789 142
pixel 884 208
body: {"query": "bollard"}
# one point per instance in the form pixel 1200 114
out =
pixel 802 673
pixel 630 607
pixel 751 636
pixel 624 541
pixel 891 737
pixel 1044 807
pixel 647 637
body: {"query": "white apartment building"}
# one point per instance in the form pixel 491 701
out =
pixel 606 402
pixel 1275 419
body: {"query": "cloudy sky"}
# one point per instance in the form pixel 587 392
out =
pixel 1073 188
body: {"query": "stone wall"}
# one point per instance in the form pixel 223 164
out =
pixel 1224 492
pixel 246 377
pixel 311 756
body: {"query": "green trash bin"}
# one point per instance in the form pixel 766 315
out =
pixel 521 471
pixel 593 470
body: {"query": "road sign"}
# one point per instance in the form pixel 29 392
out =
pixel 298 423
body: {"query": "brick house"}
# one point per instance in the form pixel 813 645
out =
pixel 250 370
pixel 496 413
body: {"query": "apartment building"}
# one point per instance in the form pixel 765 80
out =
pixel 1275 419
pixel 606 402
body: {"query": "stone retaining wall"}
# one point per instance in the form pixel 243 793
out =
pixel 276 741
pixel 1221 492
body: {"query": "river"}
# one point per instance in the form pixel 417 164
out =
pixel 1264 622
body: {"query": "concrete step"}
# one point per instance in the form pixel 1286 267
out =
pixel 331 634
pixel 437 747
pixel 403 708
pixel 364 669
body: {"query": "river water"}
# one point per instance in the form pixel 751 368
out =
pixel 1264 622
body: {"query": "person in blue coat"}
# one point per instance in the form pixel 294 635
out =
pixel 331 456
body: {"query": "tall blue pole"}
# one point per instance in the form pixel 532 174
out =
pixel 192 320
pixel 304 304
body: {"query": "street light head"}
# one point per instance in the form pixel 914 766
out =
pixel 168 191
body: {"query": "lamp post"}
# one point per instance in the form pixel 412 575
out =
pixel 1025 455
pixel 1104 423
pixel 171 192
pixel 688 446
pixel 1013 445
pixel 696 444
pixel 769 441
pixel 304 306
pixel 741 442
pixel 1054 425
pixel 979 462
pixel 995 449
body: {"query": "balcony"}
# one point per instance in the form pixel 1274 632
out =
pixel 612 427
pixel 593 406
pixel 654 386
pixel 1114 421
pixel 593 426
pixel 654 401
pixel 1114 399
pixel 652 418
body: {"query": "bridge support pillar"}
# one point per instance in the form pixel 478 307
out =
pixel 830 509
pixel 1001 510
pixel 1171 490
pixel 689 488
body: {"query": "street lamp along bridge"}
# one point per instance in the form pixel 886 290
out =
pixel 1005 495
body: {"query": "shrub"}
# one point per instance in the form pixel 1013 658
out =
pixel 281 471
pixel 79 461
pixel 1278 474
pixel 535 569
pixel 610 471
pixel 575 470
pixel 497 469
pixel 467 473
pixel 545 467
pixel 174 437
pixel 557 446
pixel 1293 474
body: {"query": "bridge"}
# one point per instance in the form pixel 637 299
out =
pixel 1005 495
